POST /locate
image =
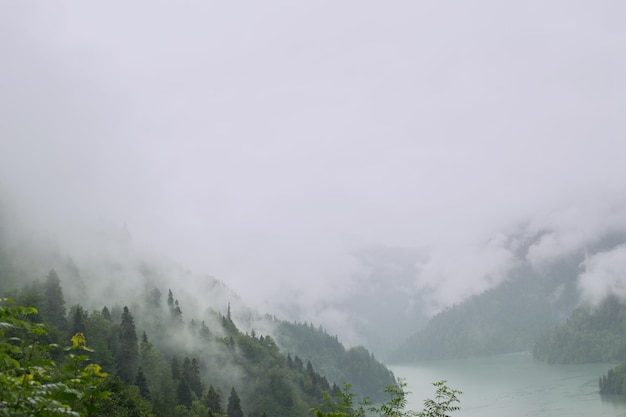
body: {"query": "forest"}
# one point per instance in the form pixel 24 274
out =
pixel 505 319
pixel 113 361
pixel 590 334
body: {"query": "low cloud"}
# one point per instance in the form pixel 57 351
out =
pixel 604 274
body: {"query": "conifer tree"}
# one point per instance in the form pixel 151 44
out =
pixel 106 313
pixel 128 359
pixel 154 298
pixel 297 362
pixel 191 372
pixel 176 373
pixel 170 298
pixel 187 368
pixel 214 400
pixel 54 303
pixel 78 320
pixel 234 405
pixel 142 383
pixel 205 333
pixel 195 383
pixel 183 394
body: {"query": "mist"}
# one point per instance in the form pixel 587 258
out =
pixel 272 145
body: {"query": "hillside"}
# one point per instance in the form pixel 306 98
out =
pixel 194 339
pixel 509 317
pixel 590 334
pixel 505 319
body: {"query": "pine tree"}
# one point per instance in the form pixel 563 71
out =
pixel 297 363
pixel 170 298
pixel 183 394
pixel 205 333
pixel 187 368
pixel 78 320
pixel 234 405
pixel 176 373
pixel 214 400
pixel 128 359
pixel 195 383
pixel 142 383
pixel 106 313
pixel 53 303
pixel 154 299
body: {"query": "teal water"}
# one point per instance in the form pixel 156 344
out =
pixel 513 385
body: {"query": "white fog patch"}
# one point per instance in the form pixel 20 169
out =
pixel 572 227
pixel 604 274
pixel 552 245
pixel 450 277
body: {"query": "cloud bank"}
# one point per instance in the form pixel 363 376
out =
pixel 266 144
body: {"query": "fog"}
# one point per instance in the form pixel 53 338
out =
pixel 268 144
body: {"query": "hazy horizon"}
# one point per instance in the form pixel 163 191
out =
pixel 267 145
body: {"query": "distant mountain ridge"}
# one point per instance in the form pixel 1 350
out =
pixel 509 317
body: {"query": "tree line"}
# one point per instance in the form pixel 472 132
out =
pixel 167 367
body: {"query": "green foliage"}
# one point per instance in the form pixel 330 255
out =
pixel 128 357
pixel 30 382
pixel 213 400
pixel 328 356
pixel 443 404
pixel 505 319
pixel 342 403
pixel 142 384
pixel 221 357
pixel 54 304
pixel 123 401
pixel 614 382
pixel 183 393
pixel 234 405
pixel 589 335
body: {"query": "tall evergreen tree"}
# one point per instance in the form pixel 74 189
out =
pixel 195 383
pixel 187 368
pixel 128 358
pixel 234 405
pixel 183 394
pixel 106 313
pixel 142 383
pixel 78 320
pixel 154 298
pixel 177 314
pixel 205 333
pixel 176 372
pixel 170 299
pixel 54 303
pixel 214 400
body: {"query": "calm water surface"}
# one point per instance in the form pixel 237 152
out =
pixel 513 385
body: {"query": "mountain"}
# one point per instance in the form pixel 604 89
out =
pixel 590 334
pixel 510 317
pixel 183 322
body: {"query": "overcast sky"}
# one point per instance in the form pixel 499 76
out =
pixel 265 142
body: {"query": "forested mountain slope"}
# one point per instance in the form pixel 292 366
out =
pixel 189 349
pixel 590 334
pixel 505 319
pixel 190 367
pixel 510 317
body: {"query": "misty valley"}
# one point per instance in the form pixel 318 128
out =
pixel 123 333
pixel 312 208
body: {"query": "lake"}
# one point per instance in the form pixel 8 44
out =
pixel 513 385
